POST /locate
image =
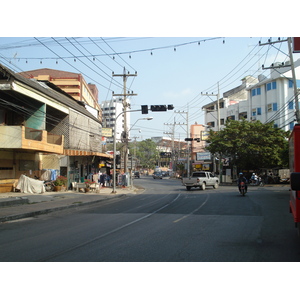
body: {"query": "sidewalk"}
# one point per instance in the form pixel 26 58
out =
pixel 15 206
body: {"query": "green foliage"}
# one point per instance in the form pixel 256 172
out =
pixel 251 145
pixel 146 152
pixel 60 181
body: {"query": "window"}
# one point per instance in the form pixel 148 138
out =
pixel 243 115
pixel 255 92
pixel 291 105
pixel 258 110
pixel 269 107
pixel 211 124
pixel 291 83
pixel 291 125
pixel 253 112
pixel 272 107
pixel 272 85
pixel 258 91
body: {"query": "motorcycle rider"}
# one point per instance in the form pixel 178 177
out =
pixel 242 179
pixel 254 178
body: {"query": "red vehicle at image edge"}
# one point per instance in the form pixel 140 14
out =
pixel 294 158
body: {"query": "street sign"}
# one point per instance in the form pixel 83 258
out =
pixel 201 156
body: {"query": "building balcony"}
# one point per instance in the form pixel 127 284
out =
pixel 20 137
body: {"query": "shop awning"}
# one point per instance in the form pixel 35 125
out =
pixel 71 152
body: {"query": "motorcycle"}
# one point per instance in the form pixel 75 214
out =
pixel 243 188
pixel 258 182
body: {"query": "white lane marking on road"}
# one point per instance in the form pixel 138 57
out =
pixel 185 216
pixel 110 232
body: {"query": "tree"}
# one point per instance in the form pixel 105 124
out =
pixel 146 152
pixel 251 145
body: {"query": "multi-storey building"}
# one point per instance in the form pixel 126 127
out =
pixel 235 97
pixel 73 84
pixel 267 99
pixel 199 158
pixel 113 118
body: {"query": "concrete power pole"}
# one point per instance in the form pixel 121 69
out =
pixel 218 105
pixel 289 42
pixel 188 136
pixel 125 106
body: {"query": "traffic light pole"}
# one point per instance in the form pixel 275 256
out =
pixel 153 108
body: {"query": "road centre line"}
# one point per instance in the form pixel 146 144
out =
pixel 185 216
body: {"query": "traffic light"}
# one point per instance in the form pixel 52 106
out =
pixel 158 108
pixel 118 159
pixel 144 109
pixel 188 139
pixel 170 107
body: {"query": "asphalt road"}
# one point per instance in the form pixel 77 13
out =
pixel 166 223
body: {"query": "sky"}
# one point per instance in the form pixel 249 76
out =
pixel 177 51
pixel 169 70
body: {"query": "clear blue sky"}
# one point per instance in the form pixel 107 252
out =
pixel 176 72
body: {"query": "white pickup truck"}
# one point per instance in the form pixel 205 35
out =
pixel 200 179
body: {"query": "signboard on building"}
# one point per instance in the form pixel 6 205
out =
pixel 204 135
pixel 203 156
pixel 107 132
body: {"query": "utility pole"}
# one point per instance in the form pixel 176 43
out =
pixel 289 42
pixel 219 127
pixel 218 105
pixel 125 106
pixel 172 145
pixel 188 136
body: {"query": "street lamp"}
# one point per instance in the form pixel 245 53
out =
pixel 148 119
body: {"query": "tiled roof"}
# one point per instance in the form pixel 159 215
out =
pixel 50 72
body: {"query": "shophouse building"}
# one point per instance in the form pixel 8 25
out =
pixel 43 128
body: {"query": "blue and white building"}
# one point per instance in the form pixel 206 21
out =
pixel 266 99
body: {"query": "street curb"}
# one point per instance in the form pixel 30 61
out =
pixel 49 210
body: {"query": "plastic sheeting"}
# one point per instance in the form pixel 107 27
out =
pixel 29 185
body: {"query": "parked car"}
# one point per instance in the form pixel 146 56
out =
pixel 136 174
pixel 157 175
